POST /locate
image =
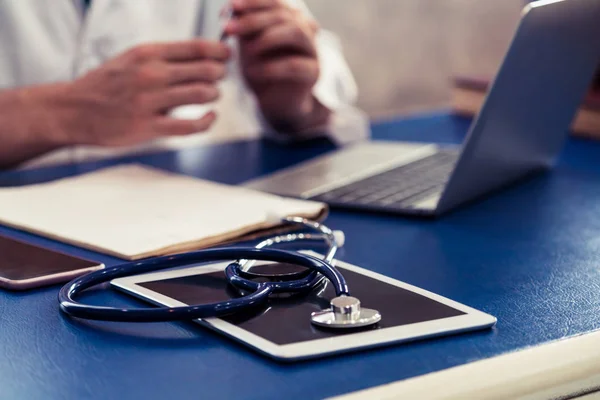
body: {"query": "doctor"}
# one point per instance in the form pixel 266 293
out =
pixel 81 80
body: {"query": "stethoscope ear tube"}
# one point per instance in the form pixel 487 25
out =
pixel 238 279
pixel 78 310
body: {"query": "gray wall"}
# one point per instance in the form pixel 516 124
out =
pixel 404 52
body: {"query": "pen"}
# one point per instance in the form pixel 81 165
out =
pixel 226 15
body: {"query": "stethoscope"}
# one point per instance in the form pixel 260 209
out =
pixel 345 311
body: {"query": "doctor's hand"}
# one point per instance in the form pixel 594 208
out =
pixel 279 61
pixel 127 100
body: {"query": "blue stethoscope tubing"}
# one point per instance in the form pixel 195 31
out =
pixel 259 291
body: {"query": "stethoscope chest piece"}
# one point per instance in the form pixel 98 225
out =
pixel 345 312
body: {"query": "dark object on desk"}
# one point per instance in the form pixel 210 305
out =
pixel 26 266
pixel 520 130
pixel 596 83
pixel 279 329
pixel 469 93
pixel 267 323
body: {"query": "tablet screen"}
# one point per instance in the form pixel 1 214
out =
pixel 20 261
pixel 287 320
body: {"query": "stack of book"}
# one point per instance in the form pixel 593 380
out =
pixel 469 93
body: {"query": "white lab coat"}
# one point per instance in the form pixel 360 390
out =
pixel 43 41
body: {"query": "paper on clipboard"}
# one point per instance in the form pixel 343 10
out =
pixel 133 211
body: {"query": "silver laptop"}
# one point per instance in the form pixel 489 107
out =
pixel 520 129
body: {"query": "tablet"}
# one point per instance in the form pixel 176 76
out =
pixel 26 266
pixel 282 329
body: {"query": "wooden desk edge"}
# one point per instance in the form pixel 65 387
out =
pixel 557 369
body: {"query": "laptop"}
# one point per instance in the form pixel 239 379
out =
pixel 520 129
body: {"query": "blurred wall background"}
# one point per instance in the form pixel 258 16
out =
pixel 404 52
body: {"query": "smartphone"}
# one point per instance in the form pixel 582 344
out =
pixel 26 266
pixel 195 111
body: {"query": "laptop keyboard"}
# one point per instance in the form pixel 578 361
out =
pixel 398 187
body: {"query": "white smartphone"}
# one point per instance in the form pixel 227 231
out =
pixel 27 266
pixel 195 111
pixel 283 331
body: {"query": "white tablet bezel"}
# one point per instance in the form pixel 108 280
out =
pixel 472 319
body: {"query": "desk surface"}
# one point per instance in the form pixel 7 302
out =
pixel 529 255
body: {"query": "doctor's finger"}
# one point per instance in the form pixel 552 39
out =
pixel 177 127
pixel 188 50
pixel 253 23
pixel 204 71
pixel 195 50
pixel 243 6
pixel 296 69
pixel 286 38
pixel 174 96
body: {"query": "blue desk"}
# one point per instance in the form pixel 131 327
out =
pixel 529 255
